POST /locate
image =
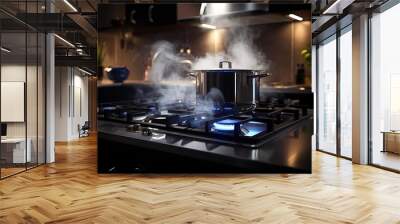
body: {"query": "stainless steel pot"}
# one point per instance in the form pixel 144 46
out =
pixel 240 87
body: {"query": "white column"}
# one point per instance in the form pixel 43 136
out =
pixel 360 90
pixel 50 100
pixel 50 92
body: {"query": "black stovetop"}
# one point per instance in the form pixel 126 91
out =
pixel 248 127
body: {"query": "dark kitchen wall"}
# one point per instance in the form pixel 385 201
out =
pixel 282 44
pixel 135 51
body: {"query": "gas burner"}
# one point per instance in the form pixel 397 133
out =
pixel 147 131
pixel 225 125
pixel 133 127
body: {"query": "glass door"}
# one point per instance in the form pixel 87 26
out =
pixel 326 96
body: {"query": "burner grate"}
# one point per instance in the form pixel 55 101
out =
pixel 230 126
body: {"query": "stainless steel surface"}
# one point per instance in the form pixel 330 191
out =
pixel 240 87
pixel 219 9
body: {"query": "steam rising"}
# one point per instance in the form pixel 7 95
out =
pixel 214 99
pixel 169 71
pixel 166 62
pixel 240 50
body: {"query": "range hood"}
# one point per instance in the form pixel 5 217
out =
pixel 225 9
pixel 224 15
pixel 187 11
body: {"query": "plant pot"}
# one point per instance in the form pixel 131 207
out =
pixel 118 74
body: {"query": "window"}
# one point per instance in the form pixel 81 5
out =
pixel 346 95
pixel 326 124
pixel 385 89
pixel 334 122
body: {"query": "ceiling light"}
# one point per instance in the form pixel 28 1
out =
pixel 5 50
pixel 65 41
pixel 208 26
pixel 214 9
pixel 296 17
pixel 203 8
pixel 70 5
pixel 84 71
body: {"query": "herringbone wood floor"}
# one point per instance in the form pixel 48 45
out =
pixel 70 191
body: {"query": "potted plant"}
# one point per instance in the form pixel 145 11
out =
pixel 300 76
pixel 100 58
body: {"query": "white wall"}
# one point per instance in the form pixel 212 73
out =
pixel 16 73
pixel 13 101
pixel 62 82
pixel 71 102
pixel 80 103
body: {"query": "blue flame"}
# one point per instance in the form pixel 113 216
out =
pixel 250 128
pixel 225 125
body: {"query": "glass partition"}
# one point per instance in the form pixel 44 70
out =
pixel 15 149
pixel 22 91
pixel 32 97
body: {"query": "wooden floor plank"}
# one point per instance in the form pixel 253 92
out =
pixel 71 191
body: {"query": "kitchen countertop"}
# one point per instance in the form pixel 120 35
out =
pixel 288 150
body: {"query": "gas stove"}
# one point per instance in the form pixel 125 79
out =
pixel 248 127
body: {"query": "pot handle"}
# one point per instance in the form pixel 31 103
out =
pixel 221 64
pixel 259 75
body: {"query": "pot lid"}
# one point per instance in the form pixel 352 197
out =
pixel 229 69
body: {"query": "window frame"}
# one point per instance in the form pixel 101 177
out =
pixel 333 37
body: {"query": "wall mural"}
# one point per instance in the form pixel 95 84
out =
pixel 204 88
